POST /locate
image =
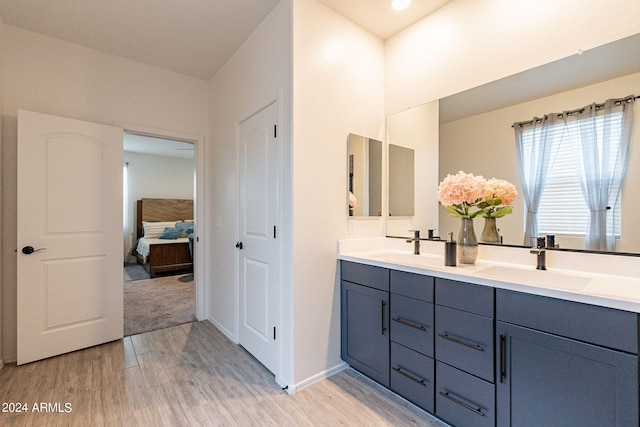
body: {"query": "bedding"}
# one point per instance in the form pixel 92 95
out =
pixel 164 231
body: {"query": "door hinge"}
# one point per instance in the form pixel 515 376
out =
pixel 274 231
pixel 275 131
pixel 274 332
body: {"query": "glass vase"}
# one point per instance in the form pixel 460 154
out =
pixel 490 231
pixel 467 243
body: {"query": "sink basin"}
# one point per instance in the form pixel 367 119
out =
pixel 543 278
pixel 409 259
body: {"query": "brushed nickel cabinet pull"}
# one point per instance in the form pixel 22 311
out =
pixel 410 324
pixel 476 411
pixel 459 341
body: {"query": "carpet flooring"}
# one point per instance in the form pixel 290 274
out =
pixel 151 304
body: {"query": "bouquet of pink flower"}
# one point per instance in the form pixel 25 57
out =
pixel 460 193
pixel 497 198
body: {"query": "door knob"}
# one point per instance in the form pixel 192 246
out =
pixel 28 250
pixel 239 245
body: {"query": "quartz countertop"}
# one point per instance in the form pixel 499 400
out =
pixel 607 290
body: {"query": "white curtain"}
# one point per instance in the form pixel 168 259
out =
pixel 602 157
pixel 535 149
pixel 125 213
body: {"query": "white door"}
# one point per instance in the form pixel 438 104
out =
pixel 69 233
pixel 258 250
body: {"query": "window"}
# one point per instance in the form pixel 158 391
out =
pixel 563 208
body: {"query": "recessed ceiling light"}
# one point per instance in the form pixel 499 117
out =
pixel 400 4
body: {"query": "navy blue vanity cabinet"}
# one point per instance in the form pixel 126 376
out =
pixel 412 325
pixel 564 363
pixel 365 319
pixel 464 352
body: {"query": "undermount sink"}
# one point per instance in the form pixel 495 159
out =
pixel 543 278
pixel 409 259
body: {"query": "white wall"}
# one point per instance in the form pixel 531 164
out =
pixel 54 77
pixel 157 177
pixel 257 74
pixel 337 89
pixel 467 43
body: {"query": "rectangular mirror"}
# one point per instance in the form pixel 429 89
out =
pixel 364 176
pixel 401 180
pixel 475 133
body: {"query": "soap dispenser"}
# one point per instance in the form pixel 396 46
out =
pixel 450 251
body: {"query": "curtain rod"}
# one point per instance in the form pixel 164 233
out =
pixel 579 110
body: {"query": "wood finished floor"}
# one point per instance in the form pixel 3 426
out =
pixel 189 375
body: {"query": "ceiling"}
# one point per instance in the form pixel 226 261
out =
pixel 157 146
pixel 194 38
pixel 379 18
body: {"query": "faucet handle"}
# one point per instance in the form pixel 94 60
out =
pixel 416 234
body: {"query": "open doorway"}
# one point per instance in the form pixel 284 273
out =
pixel 159 191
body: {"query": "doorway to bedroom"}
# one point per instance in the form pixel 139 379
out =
pixel 159 188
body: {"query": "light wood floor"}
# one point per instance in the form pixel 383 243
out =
pixel 188 375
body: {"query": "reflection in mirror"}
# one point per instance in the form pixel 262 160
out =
pixel 365 176
pixel 476 134
pixel 401 181
pixel 416 130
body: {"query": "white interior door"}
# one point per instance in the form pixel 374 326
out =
pixel 69 233
pixel 258 250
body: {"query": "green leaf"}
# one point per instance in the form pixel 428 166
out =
pixel 505 210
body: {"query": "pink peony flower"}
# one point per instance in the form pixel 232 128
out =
pixel 500 189
pixel 461 188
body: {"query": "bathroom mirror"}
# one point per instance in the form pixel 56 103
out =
pixel 475 134
pixel 413 134
pixel 401 180
pixel 364 176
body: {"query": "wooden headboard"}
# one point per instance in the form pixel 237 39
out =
pixel 163 210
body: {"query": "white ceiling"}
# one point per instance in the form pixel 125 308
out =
pixel 194 38
pixel 157 146
pixel 379 18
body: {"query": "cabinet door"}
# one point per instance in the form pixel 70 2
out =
pixel 365 326
pixel 548 380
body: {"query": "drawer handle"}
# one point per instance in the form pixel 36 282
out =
pixel 411 377
pixel 410 324
pixel 476 411
pixel 459 341
pixel 503 358
pixel 382 316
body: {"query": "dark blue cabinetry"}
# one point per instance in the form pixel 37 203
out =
pixel 365 320
pixel 479 356
pixel 412 325
pixel 552 380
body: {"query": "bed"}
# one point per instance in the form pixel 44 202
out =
pixel 163 255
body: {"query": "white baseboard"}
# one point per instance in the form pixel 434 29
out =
pixel 293 388
pixel 222 329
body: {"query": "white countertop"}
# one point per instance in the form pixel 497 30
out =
pixel 607 290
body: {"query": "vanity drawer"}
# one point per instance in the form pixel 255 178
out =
pixel 367 275
pixel 465 340
pixel 603 326
pixel 412 323
pixel 412 376
pixel 412 285
pixel 469 297
pixel 462 399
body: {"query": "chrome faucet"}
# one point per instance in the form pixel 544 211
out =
pixel 540 252
pixel 416 242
